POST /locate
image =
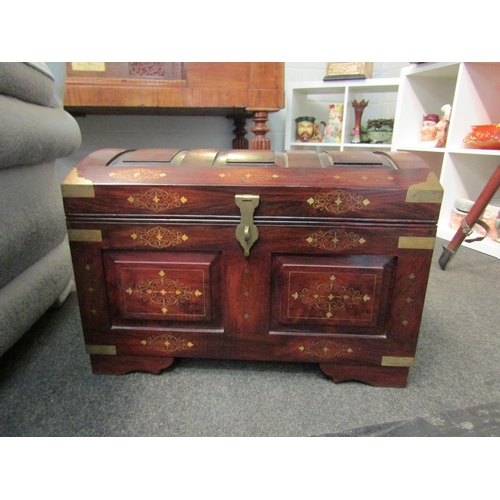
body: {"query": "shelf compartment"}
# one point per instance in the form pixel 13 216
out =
pixel 466 176
pixel 477 102
pixel 425 91
pixel 314 99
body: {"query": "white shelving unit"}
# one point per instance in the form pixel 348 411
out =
pixel 472 89
pixel 314 98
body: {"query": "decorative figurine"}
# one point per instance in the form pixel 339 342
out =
pixel 358 113
pixel 317 137
pixel 428 130
pixel 442 127
pixel 305 128
pixel 333 130
pixel 380 130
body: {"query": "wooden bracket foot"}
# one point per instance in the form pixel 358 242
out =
pixel 121 365
pixel 378 376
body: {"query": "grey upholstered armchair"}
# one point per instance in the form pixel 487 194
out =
pixel 35 264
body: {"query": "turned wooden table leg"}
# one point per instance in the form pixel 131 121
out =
pixel 260 141
pixel 240 121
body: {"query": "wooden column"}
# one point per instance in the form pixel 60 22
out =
pixel 240 120
pixel 260 141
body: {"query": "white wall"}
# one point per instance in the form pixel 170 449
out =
pixel 191 132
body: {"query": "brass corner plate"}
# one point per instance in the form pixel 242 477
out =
pixel 429 191
pixel 109 350
pixel 74 186
pixel 397 361
pixel 93 235
pixel 417 242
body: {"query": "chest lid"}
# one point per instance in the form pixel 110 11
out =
pixel 295 184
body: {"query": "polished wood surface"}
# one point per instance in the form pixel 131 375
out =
pixel 336 277
pixel 225 89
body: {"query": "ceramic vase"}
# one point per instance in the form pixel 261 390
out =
pixel 333 129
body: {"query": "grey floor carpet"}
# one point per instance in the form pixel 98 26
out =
pixel 47 387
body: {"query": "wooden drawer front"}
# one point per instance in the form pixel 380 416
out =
pixel 321 295
pixel 164 287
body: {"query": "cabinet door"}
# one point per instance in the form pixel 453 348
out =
pixel 169 288
pixel 332 294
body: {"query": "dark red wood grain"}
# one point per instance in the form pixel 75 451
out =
pixel 337 276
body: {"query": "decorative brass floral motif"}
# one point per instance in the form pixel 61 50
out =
pixel 164 292
pixel 338 202
pixel 330 297
pixel 335 239
pixel 167 343
pixel 157 200
pixel 158 237
pixel 138 174
pixel 324 349
pixel 247 176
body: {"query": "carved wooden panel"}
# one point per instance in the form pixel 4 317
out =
pixel 161 286
pixel 332 292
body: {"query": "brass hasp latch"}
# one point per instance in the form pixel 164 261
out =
pixel 246 232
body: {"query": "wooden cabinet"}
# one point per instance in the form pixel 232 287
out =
pixel 472 90
pixel 300 257
pixel 236 90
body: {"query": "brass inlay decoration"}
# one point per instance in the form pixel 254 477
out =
pixel 90 235
pixel 338 202
pixel 157 200
pixel 417 242
pixel 335 239
pixel 324 349
pixel 74 186
pixel 244 176
pixel 167 343
pixel 397 361
pixel 409 303
pixel 330 297
pixel 371 179
pixel 429 191
pixel 164 292
pixel 109 350
pixel 158 237
pixel 90 283
pixel 142 174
